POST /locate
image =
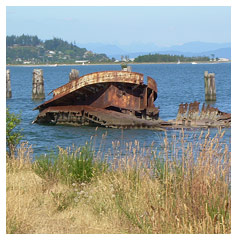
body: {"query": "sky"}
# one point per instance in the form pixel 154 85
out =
pixel 164 26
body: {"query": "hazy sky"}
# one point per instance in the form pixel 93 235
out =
pixel 163 26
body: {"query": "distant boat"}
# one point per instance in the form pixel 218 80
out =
pixel 194 63
pixel 178 62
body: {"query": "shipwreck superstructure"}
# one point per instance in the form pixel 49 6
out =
pixel 108 98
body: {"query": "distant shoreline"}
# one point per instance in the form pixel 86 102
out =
pixel 94 64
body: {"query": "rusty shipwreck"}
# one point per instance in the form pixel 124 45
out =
pixel 120 99
pixel 108 98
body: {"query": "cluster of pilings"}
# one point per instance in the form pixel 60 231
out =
pixel 37 85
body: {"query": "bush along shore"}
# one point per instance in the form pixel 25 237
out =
pixel 180 187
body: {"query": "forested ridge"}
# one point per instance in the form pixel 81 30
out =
pixel 30 49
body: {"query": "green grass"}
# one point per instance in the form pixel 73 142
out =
pixel 69 165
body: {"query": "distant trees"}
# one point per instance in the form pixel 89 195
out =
pixel 23 40
pixel 168 58
pixel 213 56
pixel 59 45
pixel 21 52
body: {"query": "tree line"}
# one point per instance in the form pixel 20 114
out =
pixel 168 58
pixel 23 40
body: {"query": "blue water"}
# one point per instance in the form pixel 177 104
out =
pixel 176 83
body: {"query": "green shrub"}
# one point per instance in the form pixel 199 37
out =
pixel 13 136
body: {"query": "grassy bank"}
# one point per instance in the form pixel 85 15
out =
pixel 180 188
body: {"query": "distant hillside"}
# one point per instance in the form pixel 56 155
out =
pixel 30 49
pixel 220 53
pixel 196 47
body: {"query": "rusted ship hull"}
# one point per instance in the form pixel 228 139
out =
pixel 109 98
pixel 120 99
pixel 86 115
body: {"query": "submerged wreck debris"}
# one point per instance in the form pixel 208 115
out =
pixel 189 115
pixel 120 99
pixel 117 99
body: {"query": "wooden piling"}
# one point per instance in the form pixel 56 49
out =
pixel 74 74
pixel 8 84
pixel 38 84
pixel 210 86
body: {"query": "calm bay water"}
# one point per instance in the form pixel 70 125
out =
pixel 176 83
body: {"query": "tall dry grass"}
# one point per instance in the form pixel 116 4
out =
pixel 182 187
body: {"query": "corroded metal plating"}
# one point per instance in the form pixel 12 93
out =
pixel 111 94
pixel 189 115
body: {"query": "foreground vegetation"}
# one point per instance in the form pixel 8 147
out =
pixel 13 135
pixel 179 188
